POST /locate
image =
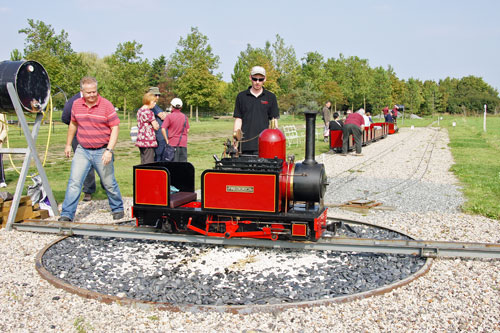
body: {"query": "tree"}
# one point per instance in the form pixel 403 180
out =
pixel 381 89
pixel 198 87
pixel 192 52
pixel 16 55
pixel 313 70
pixel 431 98
pixel 158 71
pixel 414 98
pixel 304 98
pixel 54 52
pixel 286 64
pixel 128 75
pixel 192 69
pixel 330 91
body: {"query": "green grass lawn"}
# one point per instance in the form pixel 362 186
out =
pixel 477 157
pixel 476 154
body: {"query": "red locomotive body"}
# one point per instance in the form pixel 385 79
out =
pixel 261 196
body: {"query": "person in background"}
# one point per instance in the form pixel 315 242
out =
pixel 177 126
pixel 253 110
pixel 146 138
pixel 369 115
pixel 326 119
pixel 96 124
pixel 347 113
pixel 3 135
pixel 89 185
pixel 385 111
pixel 336 124
pixel 353 125
pixel 388 117
pixel 395 112
pixel 365 117
pixel 159 116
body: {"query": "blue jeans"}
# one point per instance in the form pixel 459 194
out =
pixel 83 160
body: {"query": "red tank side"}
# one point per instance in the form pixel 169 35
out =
pixel 272 143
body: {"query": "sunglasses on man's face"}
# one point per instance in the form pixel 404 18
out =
pixel 258 79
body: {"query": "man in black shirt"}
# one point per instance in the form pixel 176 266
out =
pixel 253 109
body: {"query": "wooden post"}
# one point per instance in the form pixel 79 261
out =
pixel 197 120
pixel 484 118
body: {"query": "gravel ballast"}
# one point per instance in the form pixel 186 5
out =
pixel 456 295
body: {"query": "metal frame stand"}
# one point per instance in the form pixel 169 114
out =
pixel 31 153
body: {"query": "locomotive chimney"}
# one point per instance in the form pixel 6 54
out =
pixel 310 137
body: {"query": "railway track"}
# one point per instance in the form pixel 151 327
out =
pixel 432 249
pixel 413 177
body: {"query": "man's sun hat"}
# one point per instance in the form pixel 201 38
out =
pixel 154 90
pixel 258 70
pixel 176 103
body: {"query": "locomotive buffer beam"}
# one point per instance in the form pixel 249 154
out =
pixel 433 249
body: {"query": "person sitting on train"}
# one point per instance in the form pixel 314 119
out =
pixel 361 111
pixel 336 124
pixel 388 117
pixel 369 115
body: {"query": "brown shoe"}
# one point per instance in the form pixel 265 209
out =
pixel 87 197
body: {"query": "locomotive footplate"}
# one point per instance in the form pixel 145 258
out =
pixel 298 223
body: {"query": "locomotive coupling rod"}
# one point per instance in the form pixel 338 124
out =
pixel 408 247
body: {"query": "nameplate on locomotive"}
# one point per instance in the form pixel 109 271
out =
pixel 239 189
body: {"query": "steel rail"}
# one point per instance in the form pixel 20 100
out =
pixel 432 249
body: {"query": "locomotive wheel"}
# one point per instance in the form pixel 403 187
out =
pixel 166 226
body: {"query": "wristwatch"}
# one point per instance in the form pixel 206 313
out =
pixel 110 150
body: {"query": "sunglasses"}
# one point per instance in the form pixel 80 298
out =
pixel 258 79
pixel 157 95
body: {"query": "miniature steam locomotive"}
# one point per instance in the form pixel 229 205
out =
pixel 267 196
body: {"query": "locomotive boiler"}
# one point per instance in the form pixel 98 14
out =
pixel 268 196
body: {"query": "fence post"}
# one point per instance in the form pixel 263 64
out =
pixel 484 118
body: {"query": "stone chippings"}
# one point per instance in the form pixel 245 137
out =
pixel 209 275
pixel 456 294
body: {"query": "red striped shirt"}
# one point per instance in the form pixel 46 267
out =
pixel 94 123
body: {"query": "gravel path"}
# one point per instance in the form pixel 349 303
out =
pixel 456 295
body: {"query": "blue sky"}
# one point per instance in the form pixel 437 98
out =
pixel 421 39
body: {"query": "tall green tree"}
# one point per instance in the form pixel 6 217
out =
pixel 16 55
pixel 158 72
pixel 431 98
pixel 194 51
pixel 330 91
pixel 192 67
pixel 286 64
pixel 198 87
pixel 414 97
pixel 381 90
pixel 128 76
pixel 54 52
pixel 313 70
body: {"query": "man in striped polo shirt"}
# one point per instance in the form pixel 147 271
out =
pixel 98 125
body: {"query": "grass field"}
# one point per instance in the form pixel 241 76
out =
pixel 476 155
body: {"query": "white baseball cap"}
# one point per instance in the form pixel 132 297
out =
pixel 258 70
pixel 176 103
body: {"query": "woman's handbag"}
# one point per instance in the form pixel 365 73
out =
pixel 169 153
